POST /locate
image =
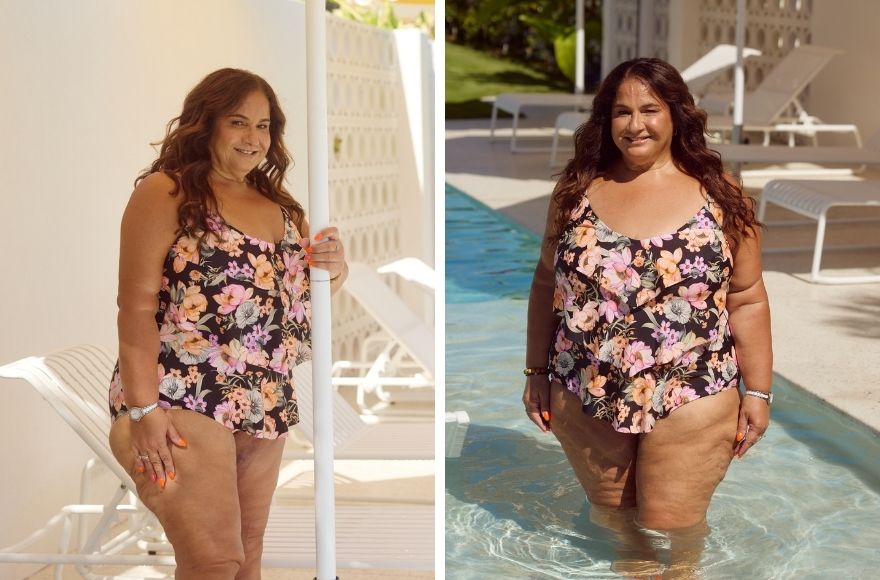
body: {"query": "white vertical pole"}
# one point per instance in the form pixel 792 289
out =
pixel 739 75
pixel 319 218
pixel 580 50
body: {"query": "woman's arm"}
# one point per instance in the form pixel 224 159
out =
pixel 749 317
pixel 541 326
pixel 149 227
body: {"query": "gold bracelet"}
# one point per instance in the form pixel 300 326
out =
pixel 529 371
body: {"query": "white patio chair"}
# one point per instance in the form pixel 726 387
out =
pixel 697 76
pixel 854 157
pixel 813 199
pixel 765 109
pixel 74 382
pixel 354 438
pixel 401 355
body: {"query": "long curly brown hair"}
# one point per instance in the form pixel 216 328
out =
pixel 595 151
pixel 185 153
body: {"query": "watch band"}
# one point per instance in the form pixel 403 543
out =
pixel 138 413
pixel 529 371
pixel 761 395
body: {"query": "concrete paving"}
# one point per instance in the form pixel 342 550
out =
pixel 826 338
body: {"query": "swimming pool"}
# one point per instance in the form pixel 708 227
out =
pixel 805 503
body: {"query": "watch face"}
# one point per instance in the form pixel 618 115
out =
pixel 136 414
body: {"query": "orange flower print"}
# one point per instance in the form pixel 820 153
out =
pixel 186 250
pixel 264 272
pixel 642 390
pixel 667 266
pixel 194 304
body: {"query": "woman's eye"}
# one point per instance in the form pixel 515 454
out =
pixel 237 123
pixel 263 126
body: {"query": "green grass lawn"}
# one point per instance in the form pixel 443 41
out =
pixel 471 74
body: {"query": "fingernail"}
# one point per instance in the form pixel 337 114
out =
pixel 318 237
pixel 140 469
pixel 308 249
pixel 181 442
pixel 739 436
pixel 171 475
pixel 546 415
pixel 162 483
pixel 152 477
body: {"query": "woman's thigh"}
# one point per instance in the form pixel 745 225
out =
pixel 259 461
pixel 603 460
pixel 199 508
pixel 683 459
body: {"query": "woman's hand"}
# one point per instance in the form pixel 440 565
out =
pixel 149 441
pixel 327 253
pixel 536 398
pixel 754 417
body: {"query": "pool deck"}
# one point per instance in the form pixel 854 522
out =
pixel 826 338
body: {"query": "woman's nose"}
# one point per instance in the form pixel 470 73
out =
pixel 635 121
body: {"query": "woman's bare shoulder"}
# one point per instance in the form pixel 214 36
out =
pixel 152 200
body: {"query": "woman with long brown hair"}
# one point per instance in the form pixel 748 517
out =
pixel 646 309
pixel 214 314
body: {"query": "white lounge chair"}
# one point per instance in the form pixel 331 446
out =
pixel 813 199
pixel 402 354
pixel 353 438
pixel 764 109
pixel 697 76
pixel 74 382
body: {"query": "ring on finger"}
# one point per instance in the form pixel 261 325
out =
pixel 144 457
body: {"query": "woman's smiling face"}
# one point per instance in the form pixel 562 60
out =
pixel 241 138
pixel 641 124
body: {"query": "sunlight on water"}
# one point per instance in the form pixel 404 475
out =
pixel 802 504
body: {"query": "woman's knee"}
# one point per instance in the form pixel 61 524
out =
pixel 209 561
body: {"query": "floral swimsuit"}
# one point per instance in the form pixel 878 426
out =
pixel 642 323
pixel 233 321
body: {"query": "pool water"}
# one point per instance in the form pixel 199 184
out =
pixel 804 503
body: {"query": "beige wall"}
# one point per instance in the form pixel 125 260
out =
pixel 86 86
pixel 846 91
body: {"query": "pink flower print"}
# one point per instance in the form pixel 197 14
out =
pixel 195 403
pixel 117 400
pixel 715 386
pixel 231 297
pixel 562 343
pixel 279 360
pixel 225 413
pixel 609 309
pixel 696 294
pixel 297 311
pixel 229 358
pixel 638 357
pixel 617 269
pixel 656 241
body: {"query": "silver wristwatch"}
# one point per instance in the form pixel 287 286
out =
pixel 138 413
pixel 761 395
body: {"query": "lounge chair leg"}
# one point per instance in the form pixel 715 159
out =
pixel 817 251
pixel 492 124
pixel 513 129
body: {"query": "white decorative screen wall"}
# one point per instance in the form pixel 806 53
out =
pixel 632 20
pixel 772 26
pixel 364 113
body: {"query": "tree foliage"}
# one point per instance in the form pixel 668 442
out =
pixel 524 30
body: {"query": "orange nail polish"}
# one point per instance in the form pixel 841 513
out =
pixel 546 416
pixel 140 469
pixel 739 436
pixel 162 483
pixel 318 237
pixel 181 442
pixel 171 475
